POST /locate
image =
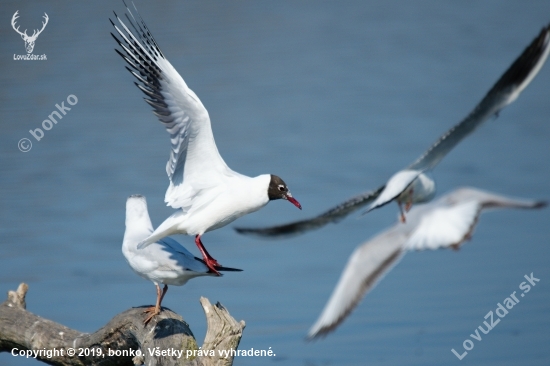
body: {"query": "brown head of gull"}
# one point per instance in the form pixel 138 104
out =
pixel 205 191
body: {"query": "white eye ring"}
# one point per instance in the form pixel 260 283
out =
pixel 281 188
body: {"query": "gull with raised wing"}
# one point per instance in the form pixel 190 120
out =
pixel 447 222
pixel 414 184
pixel 163 262
pixel 205 191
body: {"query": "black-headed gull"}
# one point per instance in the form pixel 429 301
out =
pixel 414 184
pixel 447 222
pixel 165 261
pixel 206 192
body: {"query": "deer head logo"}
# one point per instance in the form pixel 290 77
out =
pixel 29 40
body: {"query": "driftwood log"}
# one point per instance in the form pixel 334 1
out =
pixel 166 340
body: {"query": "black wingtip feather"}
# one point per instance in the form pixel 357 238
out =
pixel 524 64
pixel 540 204
pixel 221 268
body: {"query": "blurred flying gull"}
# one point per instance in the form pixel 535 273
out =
pixel 414 183
pixel 446 222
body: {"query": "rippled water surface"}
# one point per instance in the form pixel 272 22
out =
pixel 332 96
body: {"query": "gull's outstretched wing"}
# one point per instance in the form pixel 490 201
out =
pixel 505 91
pixel 194 162
pixel 366 266
pixel 450 221
pixel 333 215
pixel 444 223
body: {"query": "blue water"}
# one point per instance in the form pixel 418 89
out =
pixel 334 97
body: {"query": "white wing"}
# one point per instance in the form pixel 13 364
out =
pixel 366 266
pixel 395 186
pixel 445 226
pixel 195 162
pixel 442 223
pixel 451 219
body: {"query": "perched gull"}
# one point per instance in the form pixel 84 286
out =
pixel 413 184
pixel 447 222
pixel 165 261
pixel 206 192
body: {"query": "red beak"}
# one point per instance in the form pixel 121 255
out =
pixel 294 201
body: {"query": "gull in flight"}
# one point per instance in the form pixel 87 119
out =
pixel 205 191
pixel 165 261
pixel 414 184
pixel 444 223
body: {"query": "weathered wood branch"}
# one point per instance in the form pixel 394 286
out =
pixel 124 340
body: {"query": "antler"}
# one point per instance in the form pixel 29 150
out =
pixel 34 34
pixel 13 19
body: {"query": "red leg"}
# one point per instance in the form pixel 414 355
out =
pixel 409 203
pixel 403 220
pixel 208 259
pixel 164 291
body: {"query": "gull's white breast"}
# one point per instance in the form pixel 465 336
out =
pixel 224 203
